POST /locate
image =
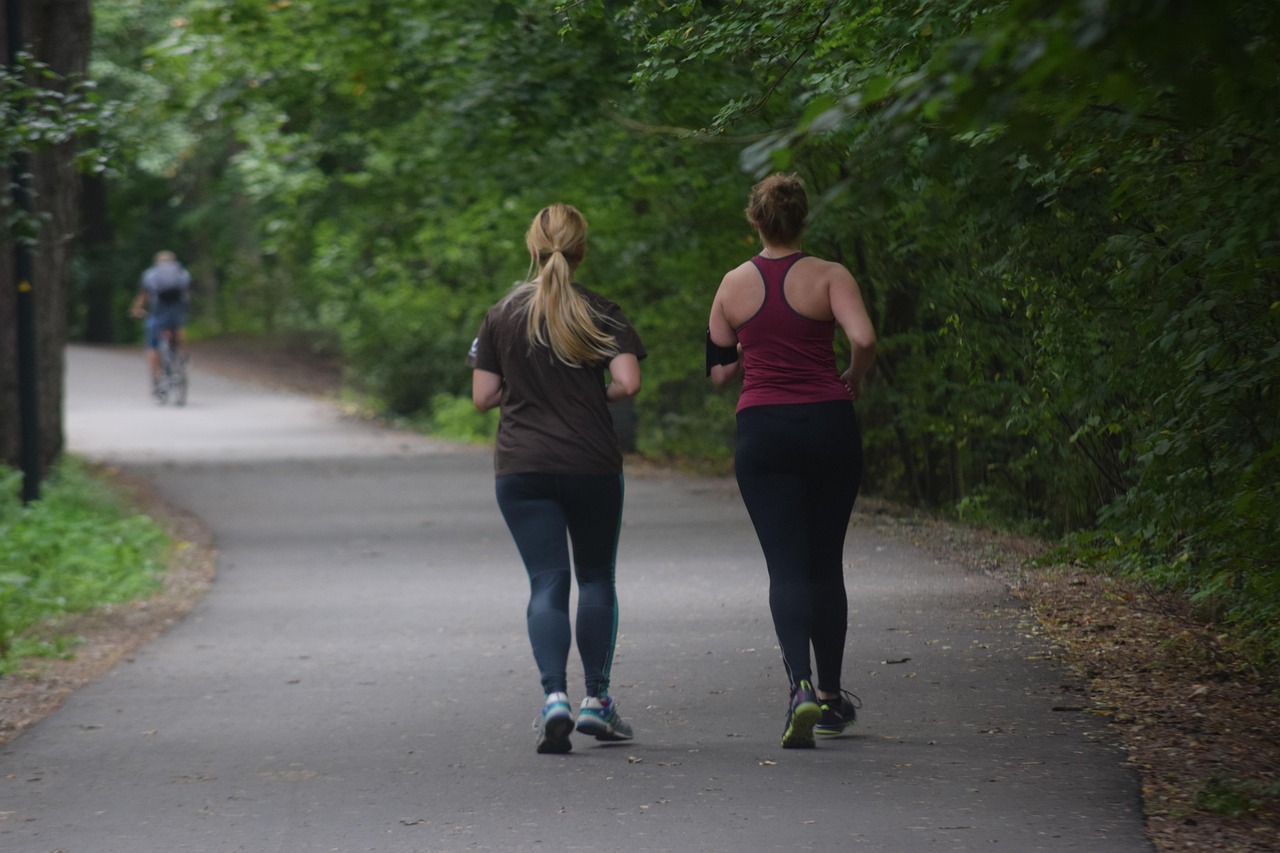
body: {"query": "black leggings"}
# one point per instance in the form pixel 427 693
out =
pixel 546 513
pixel 799 468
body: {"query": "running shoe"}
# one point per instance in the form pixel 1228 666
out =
pixel 553 726
pixel 802 715
pixel 837 714
pixel 599 718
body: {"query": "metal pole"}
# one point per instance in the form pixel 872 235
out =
pixel 28 387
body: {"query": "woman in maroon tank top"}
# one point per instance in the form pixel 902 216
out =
pixel 799 451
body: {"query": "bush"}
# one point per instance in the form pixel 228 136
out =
pixel 456 418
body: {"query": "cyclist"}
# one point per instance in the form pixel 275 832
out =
pixel 163 298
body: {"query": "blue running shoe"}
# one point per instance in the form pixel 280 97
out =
pixel 837 714
pixel 554 725
pixel 599 718
pixel 802 715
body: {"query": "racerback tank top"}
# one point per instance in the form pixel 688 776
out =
pixel 787 358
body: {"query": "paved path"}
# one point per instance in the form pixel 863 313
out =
pixel 358 679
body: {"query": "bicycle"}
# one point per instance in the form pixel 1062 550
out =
pixel 172 384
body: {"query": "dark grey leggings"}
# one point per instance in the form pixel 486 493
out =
pixel 548 513
pixel 799 468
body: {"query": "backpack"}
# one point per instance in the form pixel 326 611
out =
pixel 170 283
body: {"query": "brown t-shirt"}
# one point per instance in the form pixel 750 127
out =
pixel 555 418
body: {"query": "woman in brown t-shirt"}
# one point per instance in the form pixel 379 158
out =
pixel 541 355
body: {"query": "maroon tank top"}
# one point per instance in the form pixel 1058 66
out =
pixel 787 358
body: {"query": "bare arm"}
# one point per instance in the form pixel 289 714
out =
pixel 723 334
pixel 624 378
pixel 486 389
pixel 851 313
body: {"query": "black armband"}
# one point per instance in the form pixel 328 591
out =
pixel 717 354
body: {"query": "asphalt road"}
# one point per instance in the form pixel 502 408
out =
pixel 359 679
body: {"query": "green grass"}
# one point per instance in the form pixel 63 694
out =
pixel 77 548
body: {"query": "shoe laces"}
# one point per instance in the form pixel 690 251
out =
pixel 846 698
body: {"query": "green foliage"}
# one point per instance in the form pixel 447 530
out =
pixel 40 110
pixel 74 550
pixel 456 418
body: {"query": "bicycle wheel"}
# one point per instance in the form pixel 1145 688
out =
pixel 178 377
pixel 165 382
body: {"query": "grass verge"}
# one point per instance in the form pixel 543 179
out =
pixel 78 548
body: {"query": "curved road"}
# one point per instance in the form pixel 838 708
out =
pixel 358 678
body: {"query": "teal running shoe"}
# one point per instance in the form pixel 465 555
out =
pixel 599 718
pixel 553 726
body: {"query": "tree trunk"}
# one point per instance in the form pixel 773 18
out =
pixel 58 33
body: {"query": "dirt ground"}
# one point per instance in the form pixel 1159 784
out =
pixel 1201 727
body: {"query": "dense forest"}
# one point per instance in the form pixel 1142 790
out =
pixel 1064 217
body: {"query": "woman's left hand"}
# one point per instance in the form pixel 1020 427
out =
pixel 852 384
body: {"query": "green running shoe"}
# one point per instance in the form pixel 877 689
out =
pixel 802 715
pixel 837 714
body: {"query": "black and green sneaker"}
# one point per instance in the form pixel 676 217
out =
pixel 837 714
pixel 802 714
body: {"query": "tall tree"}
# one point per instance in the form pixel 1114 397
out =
pixel 58 33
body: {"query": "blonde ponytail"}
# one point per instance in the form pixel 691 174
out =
pixel 558 317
